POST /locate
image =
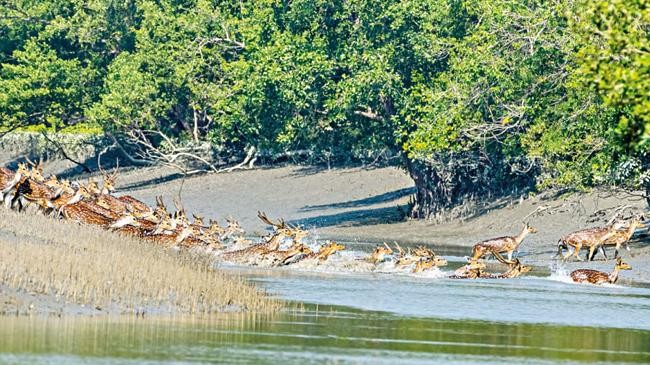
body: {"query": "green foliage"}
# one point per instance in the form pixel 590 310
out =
pixel 614 58
pixel 41 88
pixel 474 94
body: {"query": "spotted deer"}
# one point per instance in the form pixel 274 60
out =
pixel 622 237
pixel 284 257
pixel 86 213
pixel 472 270
pixel 379 254
pixel 109 179
pixel 9 180
pixel 33 190
pixel 599 277
pixel 497 246
pixel 593 238
pixel 326 250
pixel 515 269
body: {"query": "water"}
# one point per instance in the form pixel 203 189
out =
pixel 328 334
pixel 530 299
pixel 364 317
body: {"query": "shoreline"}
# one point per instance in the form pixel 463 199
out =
pixel 56 267
pixel 358 205
pixel 366 206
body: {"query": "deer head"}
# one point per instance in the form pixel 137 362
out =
pixel 423 264
pixel 198 220
pixel 622 265
pixel 109 180
pixel 93 187
pixel 23 170
pixel 529 228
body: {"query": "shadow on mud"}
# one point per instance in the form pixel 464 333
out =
pixel 356 218
pixel 377 199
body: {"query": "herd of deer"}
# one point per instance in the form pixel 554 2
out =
pixel 595 240
pixel 97 205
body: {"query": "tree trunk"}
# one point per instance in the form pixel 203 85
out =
pixel 430 195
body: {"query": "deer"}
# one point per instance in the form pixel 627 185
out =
pixel 69 196
pixel 599 277
pixel 590 237
pixel 325 251
pixel 171 232
pixel 284 257
pixel 515 269
pixel 405 258
pixel 136 205
pixel 496 246
pixel 421 256
pixel 280 225
pixel 425 252
pixel 33 190
pixel 424 264
pixel 251 254
pixel 111 203
pixel 232 228
pixel 622 237
pixel 9 180
pixel 379 254
pixel 109 180
pixel 472 270
pixel 86 213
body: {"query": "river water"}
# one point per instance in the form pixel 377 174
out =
pixel 364 317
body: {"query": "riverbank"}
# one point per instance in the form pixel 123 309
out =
pixel 364 206
pixel 368 206
pixel 53 267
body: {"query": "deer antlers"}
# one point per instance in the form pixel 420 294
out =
pixel 278 226
pixel 112 176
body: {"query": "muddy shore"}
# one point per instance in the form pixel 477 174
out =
pixel 367 206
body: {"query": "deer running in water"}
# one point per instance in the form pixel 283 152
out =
pixel 379 254
pixel 473 270
pixel 590 237
pixel 515 269
pixel 599 277
pixel 622 237
pixel 323 253
pixel 496 246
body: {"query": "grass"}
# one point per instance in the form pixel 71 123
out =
pixel 90 266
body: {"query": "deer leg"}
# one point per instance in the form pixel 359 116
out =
pixel 501 259
pixel 602 249
pixel 16 199
pixel 590 255
pixel 576 253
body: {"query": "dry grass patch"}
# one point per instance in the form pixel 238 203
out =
pixel 87 265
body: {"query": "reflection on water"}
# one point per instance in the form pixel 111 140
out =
pixel 364 317
pixel 315 335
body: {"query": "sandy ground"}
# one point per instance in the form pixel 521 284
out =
pixel 368 205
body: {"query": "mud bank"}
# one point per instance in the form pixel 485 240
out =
pixel 368 205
